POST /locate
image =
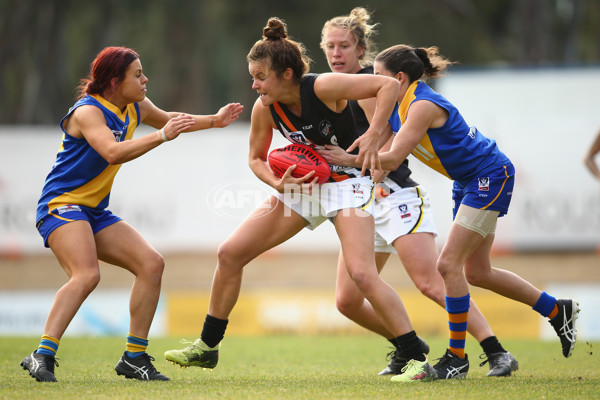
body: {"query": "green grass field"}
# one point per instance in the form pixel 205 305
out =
pixel 297 367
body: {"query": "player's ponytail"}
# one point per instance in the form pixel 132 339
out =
pixel 416 63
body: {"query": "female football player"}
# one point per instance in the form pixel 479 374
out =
pixel 310 109
pixel 72 214
pixel 434 131
pixel 403 217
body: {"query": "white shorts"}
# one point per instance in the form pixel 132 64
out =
pixel 329 198
pixel 405 211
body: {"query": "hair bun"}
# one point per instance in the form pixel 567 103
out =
pixel 275 29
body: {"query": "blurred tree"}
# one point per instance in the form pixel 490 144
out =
pixel 193 51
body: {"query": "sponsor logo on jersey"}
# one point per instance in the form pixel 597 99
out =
pixel 298 137
pixel 295 136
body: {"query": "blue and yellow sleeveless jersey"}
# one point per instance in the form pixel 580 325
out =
pixel 455 150
pixel 80 175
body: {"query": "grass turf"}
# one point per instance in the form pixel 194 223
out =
pixel 296 367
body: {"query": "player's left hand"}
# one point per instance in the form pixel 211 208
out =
pixel 177 125
pixel 368 152
pixel 227 114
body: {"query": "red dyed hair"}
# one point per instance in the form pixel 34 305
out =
pixel 112 62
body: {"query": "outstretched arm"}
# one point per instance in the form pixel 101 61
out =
pixel 88 122
pixel 157 118
pixel 334 88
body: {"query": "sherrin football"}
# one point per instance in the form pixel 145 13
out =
pixel 304 157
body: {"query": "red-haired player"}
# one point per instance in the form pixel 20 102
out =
pixel 72 214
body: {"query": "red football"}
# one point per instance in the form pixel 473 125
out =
pixel 304 157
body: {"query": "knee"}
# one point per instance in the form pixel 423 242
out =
pixel 347 304
pixel 474 277
pixel 444 267
pixel 228 258
pixel 431 290
pixel 157 264
pixel 363 280
pixel 87 281
pixel 151 268
pixel 225 254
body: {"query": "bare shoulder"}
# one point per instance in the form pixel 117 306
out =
pixel 328 80
pixel 147 107
pixel 86 111
pixel 82 118
pixel 427 113
pixel 259 110
pixel 88 114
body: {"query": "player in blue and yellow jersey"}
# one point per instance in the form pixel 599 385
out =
pixel 403 216
pixel 72 214
pixel 436 133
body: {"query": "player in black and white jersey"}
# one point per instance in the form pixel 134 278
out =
pixel 311 109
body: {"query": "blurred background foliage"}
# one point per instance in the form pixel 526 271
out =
pixel 193 51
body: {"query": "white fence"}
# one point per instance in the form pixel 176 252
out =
pixel 191 193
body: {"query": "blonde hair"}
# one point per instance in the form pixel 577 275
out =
pixel 357 23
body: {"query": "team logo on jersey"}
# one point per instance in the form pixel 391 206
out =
pixel 404 213
pixel 326 130
pixel 118 135
pixel 356 189
pixel 472 132
pixel 484 184
pixel 67 208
